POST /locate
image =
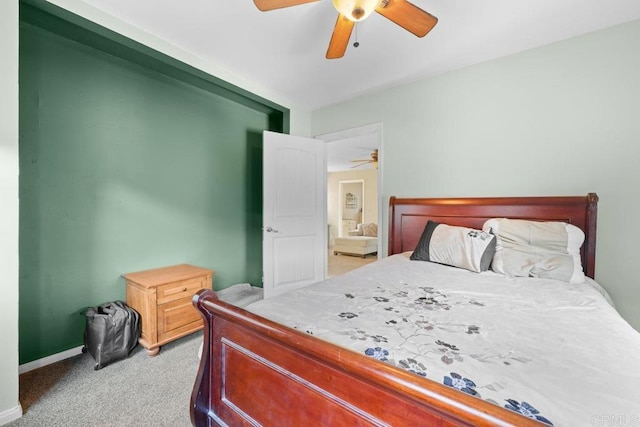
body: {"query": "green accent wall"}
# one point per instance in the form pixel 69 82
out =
pixel 125 166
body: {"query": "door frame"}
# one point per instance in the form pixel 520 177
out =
pixel 373 128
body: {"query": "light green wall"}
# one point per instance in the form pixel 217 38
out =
pixel 557 120
pixel 123 168
pixel 9 406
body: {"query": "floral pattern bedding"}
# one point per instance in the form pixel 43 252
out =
pixel 550 350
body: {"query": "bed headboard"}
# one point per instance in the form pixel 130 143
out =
pixel 408 217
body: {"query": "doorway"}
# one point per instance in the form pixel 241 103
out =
pixel 353 195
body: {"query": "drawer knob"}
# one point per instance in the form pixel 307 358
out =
pixel 184 289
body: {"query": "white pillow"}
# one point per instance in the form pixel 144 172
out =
pixel 537 249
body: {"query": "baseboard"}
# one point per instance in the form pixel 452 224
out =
pixel 49 359
pixel 10 415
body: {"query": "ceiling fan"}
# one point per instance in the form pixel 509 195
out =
pixel 373 160
pixel 405 14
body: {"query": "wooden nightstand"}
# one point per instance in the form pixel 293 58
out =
pixel 162 296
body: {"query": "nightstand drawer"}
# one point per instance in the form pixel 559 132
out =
pixel 177 317
pixel 178 290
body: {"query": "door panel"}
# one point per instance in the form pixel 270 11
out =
pixel 296 259
pixel 294 212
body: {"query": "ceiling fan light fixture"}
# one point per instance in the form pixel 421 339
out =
pixel 355 10
pixel 401 12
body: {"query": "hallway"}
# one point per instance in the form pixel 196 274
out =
pixel 339 264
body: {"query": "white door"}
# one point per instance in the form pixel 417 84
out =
pixel 294 212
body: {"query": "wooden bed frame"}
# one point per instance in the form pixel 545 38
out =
pixel 256 372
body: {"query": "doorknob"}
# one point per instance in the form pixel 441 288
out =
pixel 270 229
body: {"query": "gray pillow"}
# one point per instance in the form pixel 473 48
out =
pixel 370 229
pixel 548 250
pixel 456 246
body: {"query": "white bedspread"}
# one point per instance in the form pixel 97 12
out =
pixel 554 351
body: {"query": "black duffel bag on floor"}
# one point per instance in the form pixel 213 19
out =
pixel 112 331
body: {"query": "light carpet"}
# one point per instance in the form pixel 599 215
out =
pixel 137 391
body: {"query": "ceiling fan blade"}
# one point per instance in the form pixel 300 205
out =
pixel 340 38
pixel 265 5
pixel 408 16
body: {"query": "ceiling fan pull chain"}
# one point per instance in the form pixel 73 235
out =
pixel 356 43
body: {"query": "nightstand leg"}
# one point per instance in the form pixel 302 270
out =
pixel 151 352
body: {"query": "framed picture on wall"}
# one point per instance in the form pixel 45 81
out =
pixel 350 201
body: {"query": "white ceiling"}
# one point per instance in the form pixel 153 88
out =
pixel 284 50
pixel 340 153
